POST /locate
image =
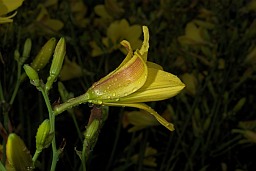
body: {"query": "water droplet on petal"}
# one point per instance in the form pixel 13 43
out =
pixel 99 102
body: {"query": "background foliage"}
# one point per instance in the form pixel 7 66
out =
pixel 210 45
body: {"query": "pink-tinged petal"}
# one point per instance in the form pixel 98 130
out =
pixel 124 81
pixel 129 55
pixel 145 107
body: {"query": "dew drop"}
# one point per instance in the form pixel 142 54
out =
pixel 114 94
pixel 90 104
pixel 134 89
pixel 29 168
pixel 117 99
pixel 99 102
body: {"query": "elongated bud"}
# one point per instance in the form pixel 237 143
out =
pixel 44 55
pixel 92 131
pixel 17 154
pixel 26 50
pixel 44 136
pixel 32 75
pixel 58 58
pixel 16 55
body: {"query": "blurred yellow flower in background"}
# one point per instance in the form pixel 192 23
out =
pixel 7 6
pixel 79 11
pixel 47 22
pixel 149 158
pixel 70 70
pixel 139 119
pixel 196 33
pixel 116 32
pixel 107 12
pixel 43 22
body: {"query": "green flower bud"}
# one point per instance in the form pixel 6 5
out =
pixel 44 55
pixel 58 58
pixel 16 55
pixel 44 136
pixel 92 131
pixel 18 156
pixel 26 50
pixel 32 75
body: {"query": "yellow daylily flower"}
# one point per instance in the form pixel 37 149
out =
pixel 117 31
pixel 133 82
pixel 193 34
pixel 7 6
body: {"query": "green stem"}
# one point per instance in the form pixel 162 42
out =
pixel 36 155
pixel 70 103
pixel 16 85
pixel 84 158
pixel 55 153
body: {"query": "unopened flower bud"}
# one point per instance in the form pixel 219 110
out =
pixel 26 50
pixel 58 58
pixel 92 130
pixel 44 55
pixel 16 55
pixel 44 136
pixel 32 75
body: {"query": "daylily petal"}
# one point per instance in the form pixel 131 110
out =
pixel 145 45
pixel 154 65
pixel 7 19
pixel 7 6
pixel 124 81
pixel 147 108
pixel 160 85
pixel 129 55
